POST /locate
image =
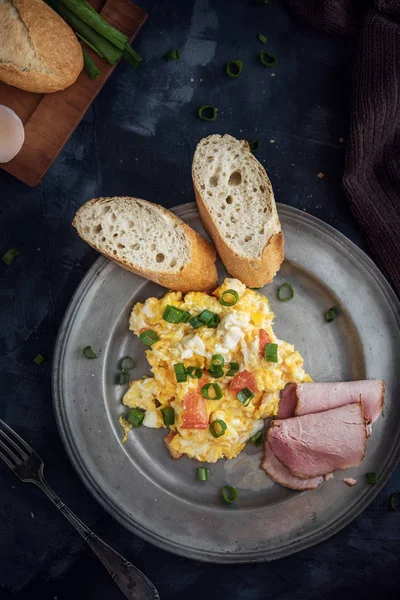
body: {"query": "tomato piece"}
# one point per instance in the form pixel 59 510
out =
pixel 242 380
pixel 168 440
pixel 264 339
pixel 194 412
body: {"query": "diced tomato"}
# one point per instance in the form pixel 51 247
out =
pixel 264 339
pixel 194 412
pixel 168 440
pixel 242 380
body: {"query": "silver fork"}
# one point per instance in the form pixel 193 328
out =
pixel 28 466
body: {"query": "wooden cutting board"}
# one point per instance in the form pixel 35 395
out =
pixel 50 119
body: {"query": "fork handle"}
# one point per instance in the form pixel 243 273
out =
pixel 132 582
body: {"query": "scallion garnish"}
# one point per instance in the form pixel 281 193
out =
pixel 123 378
pixel 168 415
pixel 208 112
pixel 257 439
pixel 331 314
pixel 214 322
pixel 245 395
pixel 254 145
pixel 9 256
pixel 206 316
pixel 203 473
pixel 217 428
pixel 136 416
pixel 372 479
pixel 262 38
pixel 285 292
pixel 194 372
pixel 234 68
pixel 234 368
pixel 172 314
pixel 395 500
pixel 149 337
pixel 38 359
pixel 217 362
pixel 172 55
pixel 271 352
pixel 89 65
pixel 185 316
pixel 127 363
pixel 229 494
pixel 267 59
pixel 229 298
pixel 180 372
pixel 89 353
pixel 196 322
pixel 217 393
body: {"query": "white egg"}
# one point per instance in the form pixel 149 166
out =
pixel 196 344
pixel 232 338
pixel 151 419
pixel 236 285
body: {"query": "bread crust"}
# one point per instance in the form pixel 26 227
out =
pixel 54 42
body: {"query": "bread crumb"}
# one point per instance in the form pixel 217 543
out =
pixel 341 140
pixel 321 175
pixel 350 481
pixel 328 476
pixel 272 141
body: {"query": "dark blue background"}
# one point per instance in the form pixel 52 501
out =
pixel 138 139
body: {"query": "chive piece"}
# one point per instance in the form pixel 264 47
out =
pixel 136 416
pixel 172 55
pixel 395 500
pixel 234 68
pixel 262 38
pixel 215 321
pixel 196 322
pixel 203 473
pixel 180 372
pixel 267 59
pixel 217 391
pixel 38 359
pixel 245 395
pixel 131 57
pixel 234 368
pixel 271 352
pixel 217 362
pixel 89 353
pixel 372 478
pixel 217 373
pixel 123 378
pixel 168 415
pixel 85 41
pixel 254 146
pixel 185 316
pixel 127 363
pixel 172 314
pixel 331 314
pixel 208 112
pixel 229 494
pixel 206 316
pixel 285 292
pixel 149 337
pixel 257 439
pixel 229 298
pixel 194 372
pixel 9 256
pixel 217 428
pixel 90 66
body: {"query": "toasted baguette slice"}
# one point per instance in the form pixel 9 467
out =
pixel 150 241
pixel 237 207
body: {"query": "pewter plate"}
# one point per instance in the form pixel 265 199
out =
pixel 159 498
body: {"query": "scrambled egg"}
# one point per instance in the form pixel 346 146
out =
pixel 237 339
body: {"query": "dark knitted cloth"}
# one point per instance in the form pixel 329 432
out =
pixel 371 178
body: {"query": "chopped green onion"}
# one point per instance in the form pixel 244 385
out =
pixel 244 396
pixel 206 316
pixel 331 314
pixel 194 372
pixel 172 55
pixel 234 368
pixel 88 44
pixel 123 378
pixel 217 362
pixel 196 322
pixel 214 322
pixel 234 68
pixel 149 337
pixel 180 372
pixel 208 112
pixel 267 59
pixel 262 38
pixel 257 439
pixel 185 316
pixel 9 256
pixel 172 314
pixel 271 352
pixel 203 473
pixel 254 146
pixel 217 428
pixel 132 57
pixel 395 500
pixel 38 359
pixel 135 417
pixel 217 391
pixel 89 353
pixel 372 478
pixel 127 363
pixel 89 65
pixel 217 373
pixel 285 292
pixel 229 494
pixel 229 298
pixel 168 415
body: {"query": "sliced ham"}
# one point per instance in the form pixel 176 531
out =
pixel 279 473
pixel 316 444
pixel 306 398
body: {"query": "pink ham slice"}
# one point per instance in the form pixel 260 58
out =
pixel 317 444
pixel 306 398
pixel 280 474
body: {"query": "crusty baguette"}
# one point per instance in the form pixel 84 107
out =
pixel 237 207
pixel 150 241
pixel 39 52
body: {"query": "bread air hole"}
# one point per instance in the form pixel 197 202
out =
pixel 214 181
pixel 233 220
pixel 97 228
pixel 172 262
pixel 113 217
pixel 247 238
pixel 229 200
pixel 153 247
pixel 210 158
pixel 135 246
pixel 106 209
pixel 86 229
pixel 160 257
pixel 262 188
pixel 115 235
pixel 261 231
pixel 235 178
pixel 131 224
pixel 121 246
